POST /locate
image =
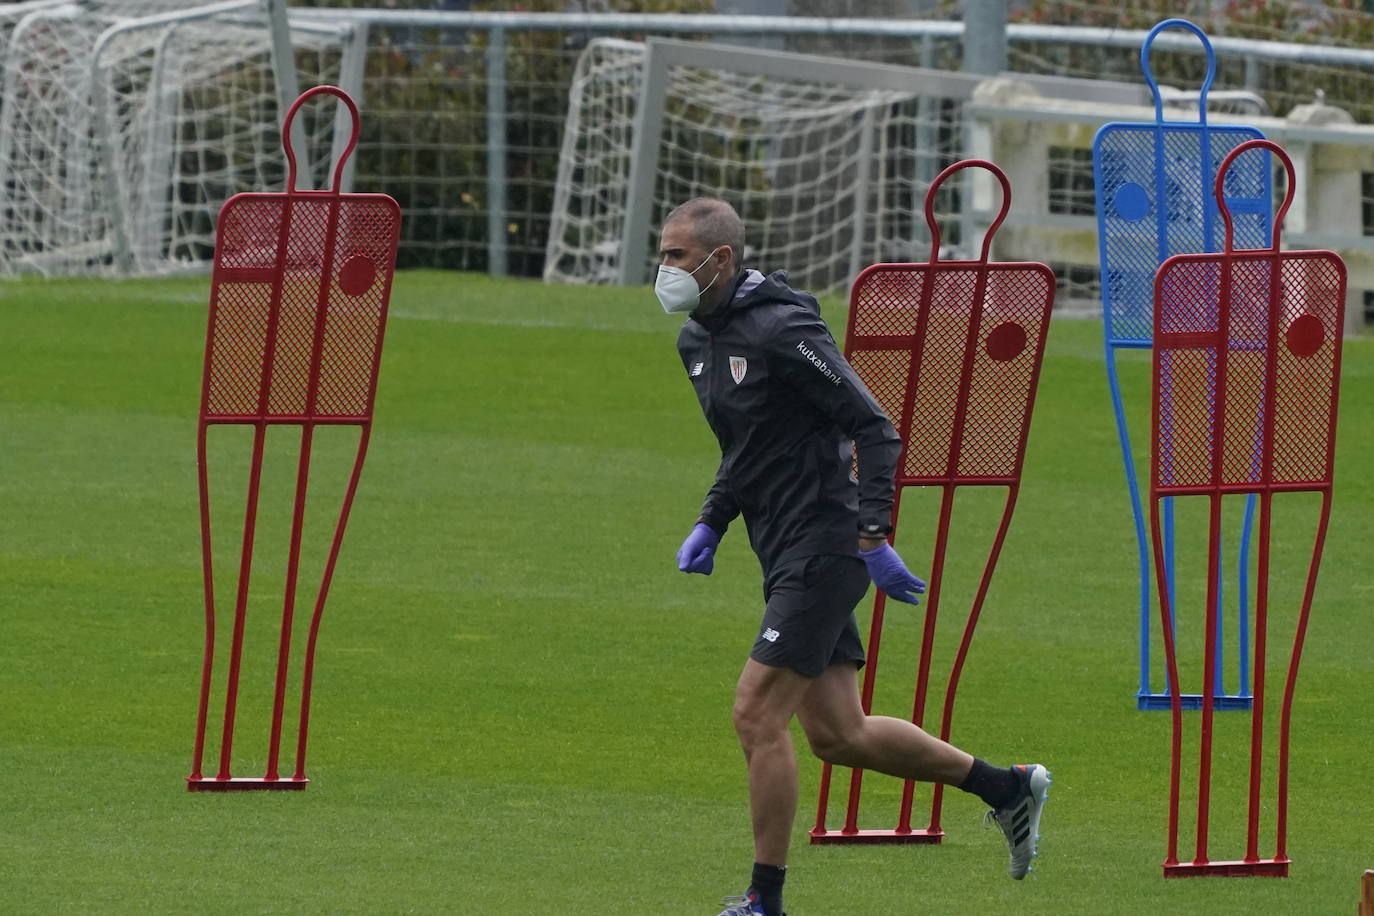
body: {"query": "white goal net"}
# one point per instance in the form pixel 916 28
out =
pixel 829 177
pixel 126 124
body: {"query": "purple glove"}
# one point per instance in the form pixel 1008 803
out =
pixel 890 574
pixel 698 553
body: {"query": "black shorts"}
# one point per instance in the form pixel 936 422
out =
pixel 809 622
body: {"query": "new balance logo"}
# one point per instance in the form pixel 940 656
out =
pixel 696 369
pixel 771 634
pixel 818 362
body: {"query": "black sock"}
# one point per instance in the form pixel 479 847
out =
pixel 997 786
pixel 767 883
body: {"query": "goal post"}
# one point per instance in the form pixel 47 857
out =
pixel 826 159
pixel 124 126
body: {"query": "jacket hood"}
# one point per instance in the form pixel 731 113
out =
pixel 772 288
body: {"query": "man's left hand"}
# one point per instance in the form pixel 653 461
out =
pixel 890 574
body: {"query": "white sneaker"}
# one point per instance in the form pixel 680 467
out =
pixel 743 905
pixel 1020 820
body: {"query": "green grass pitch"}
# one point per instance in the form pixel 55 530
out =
pixel 521 706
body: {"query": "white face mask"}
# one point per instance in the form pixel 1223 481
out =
pixel 677 289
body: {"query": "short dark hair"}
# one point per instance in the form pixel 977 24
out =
pixel 714 223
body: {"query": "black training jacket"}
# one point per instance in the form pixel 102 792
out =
pixel 785 406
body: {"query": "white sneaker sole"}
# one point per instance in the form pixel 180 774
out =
pixel 1040 782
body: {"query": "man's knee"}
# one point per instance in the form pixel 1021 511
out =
pixel 762 710
pixel 756 722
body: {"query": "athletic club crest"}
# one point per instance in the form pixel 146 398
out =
pixel 738 366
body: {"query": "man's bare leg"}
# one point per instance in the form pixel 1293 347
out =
pixel 841 734
pixel 765 701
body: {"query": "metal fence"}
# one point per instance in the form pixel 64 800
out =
pixel 464 112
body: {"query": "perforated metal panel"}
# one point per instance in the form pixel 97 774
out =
pixel 321 304
pixel 1220 351
pixel 952 350
pixel 1154 200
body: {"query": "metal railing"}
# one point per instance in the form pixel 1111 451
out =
pixel 464 110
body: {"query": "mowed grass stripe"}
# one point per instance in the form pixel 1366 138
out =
pixel 521 706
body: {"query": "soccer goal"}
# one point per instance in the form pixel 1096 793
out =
pixel 126 124
pixel 827 160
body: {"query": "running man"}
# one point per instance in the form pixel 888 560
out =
pixel 785 407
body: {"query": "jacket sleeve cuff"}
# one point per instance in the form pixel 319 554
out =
pixel 882 520
pixel 714 524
